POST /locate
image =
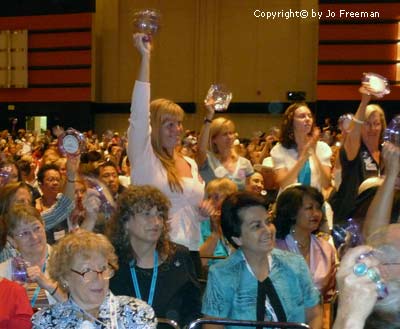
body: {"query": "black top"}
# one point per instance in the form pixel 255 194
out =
pixel 266 290
pixel 177 292
pixel 354 172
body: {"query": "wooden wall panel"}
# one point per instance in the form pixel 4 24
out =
pixel 350 92
pixel 47 94
pixel 353 72
pixel 38 77
pixel 53 58
pixel 350 46
pixel 345 52
pixel 361 31
pixel 59 58
pixel 47 22
pixel 66 39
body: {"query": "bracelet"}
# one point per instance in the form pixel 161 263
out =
pixel 358 121
pixel 54 291
pixel 207 120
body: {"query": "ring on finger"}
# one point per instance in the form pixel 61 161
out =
pixel 360 269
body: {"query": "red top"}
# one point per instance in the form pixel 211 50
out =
pixel 15 309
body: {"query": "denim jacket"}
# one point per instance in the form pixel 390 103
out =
pixel 232 289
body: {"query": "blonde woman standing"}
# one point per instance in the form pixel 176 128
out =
pixel 216 156
pixel 154 133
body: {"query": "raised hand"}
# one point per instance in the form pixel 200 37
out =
pixel 140 43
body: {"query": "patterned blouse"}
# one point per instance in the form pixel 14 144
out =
pixel 127 312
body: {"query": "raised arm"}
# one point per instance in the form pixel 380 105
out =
pixel 201 154
pixel 139 145
pixel 352 141
pixel 144 49
pixel 72 170
pixel 379 211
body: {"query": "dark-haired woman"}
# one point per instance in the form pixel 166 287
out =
pixel 298 218
pixel 300 157
pixel 258 282
pixel 151 267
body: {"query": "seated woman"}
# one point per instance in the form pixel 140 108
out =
pixel 152 268
pixel 15 311
pixel 12 194
pixel 26 233
pixel 298 216
pixel 216 155
pixel 258 282
pixel 300 157
pixel 82 264
pixel 212 241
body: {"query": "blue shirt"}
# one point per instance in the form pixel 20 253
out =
pixel 220 248
pixel 231 290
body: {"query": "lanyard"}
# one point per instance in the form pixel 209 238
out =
pixel 37 290
pixel 153 279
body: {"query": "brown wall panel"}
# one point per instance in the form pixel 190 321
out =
pixel 346 92
pixel 81 57
pixel 358 31
pixel 47 22
pixel 354 72
pixel 47 94
pixel 68 39
pixel 357 52
pixel 385 10
pixel 59 76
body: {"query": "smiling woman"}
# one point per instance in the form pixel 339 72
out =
pixel 153 268
pixel 258 282
pixel 82 265
pixel 154 133
pixel 298 216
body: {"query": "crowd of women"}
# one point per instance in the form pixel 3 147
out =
pixel 119 236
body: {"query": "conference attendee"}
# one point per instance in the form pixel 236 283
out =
pixel 213 242
pixel 153 136
pixel 108 174
pixel 15 310
pixel 82 264
pixel 360 154
pixel 55 204
pixel 300 157
pixel 258 282
pixel 27 234
pixel 216 155
pixel 369 286
pixel 152 268
pixel 298 217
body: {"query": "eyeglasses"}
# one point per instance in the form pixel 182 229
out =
pixel 25 235
pixel 91 275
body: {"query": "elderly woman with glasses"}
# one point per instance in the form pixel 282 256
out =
pixel 82 264
pixel 27 234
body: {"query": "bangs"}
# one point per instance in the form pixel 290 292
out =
pixel 173 115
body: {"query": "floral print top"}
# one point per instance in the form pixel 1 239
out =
pixel 120 312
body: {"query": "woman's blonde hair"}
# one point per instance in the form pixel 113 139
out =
pixel 221 185
pixel 83 244
pixel 161 110
pixel 375 108
pixel 219 126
